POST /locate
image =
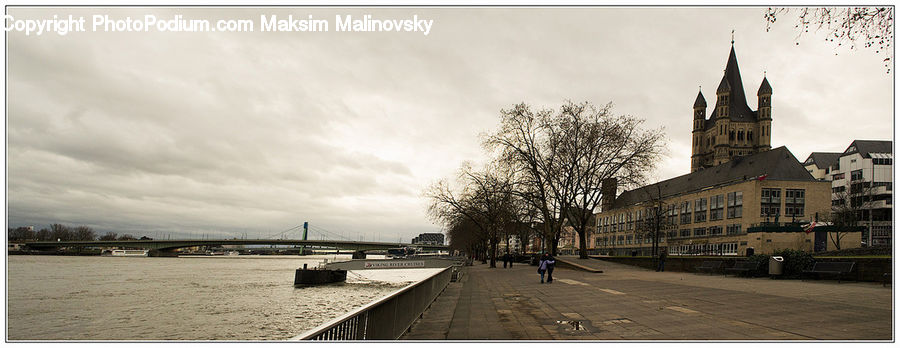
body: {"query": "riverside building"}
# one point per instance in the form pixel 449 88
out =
pixel 741 196
pixel 862 183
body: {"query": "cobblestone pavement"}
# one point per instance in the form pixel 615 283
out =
pixel 631 303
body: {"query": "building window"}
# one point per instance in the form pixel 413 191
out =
pixel 881 161
pixel 733 229
pixel 685 212
pixel 735 204
pixel 716 207
pixel 700 210
pixel 856 175
pixel 838 189
pixel 715 230
pixel 685 232
pixel 673 215
pixel 839 176
pixel 729 248
pixel 700 231
pixel 620 240
pixel 794 200
pixel 630 221
pixel 629 239
pixel 770 202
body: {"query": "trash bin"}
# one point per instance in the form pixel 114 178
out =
pixel 776 266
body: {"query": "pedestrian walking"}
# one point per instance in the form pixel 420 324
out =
pixel 542 267
pixel 505 259
pixel 662 261
pixel 551 262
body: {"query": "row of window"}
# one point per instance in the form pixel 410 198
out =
pixel 705 231
pixel 770 202
pixel 716 208
pixel 704 249
pixel 631 239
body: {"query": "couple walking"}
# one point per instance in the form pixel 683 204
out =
pixel 546 265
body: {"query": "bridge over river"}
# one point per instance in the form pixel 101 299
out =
pixel 167 247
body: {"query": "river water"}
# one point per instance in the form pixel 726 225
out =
pixel 186 298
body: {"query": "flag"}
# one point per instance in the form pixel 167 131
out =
pixel 762 177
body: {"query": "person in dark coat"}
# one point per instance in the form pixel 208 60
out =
pixel 505 259
pixel 550 264
pixel 662 261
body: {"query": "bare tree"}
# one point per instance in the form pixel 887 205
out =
pixel 562 157
pixel 109 236
pixel 599 146
pixel 43 234
pixel 84 233
pixel 21 234
pixel 463 235
pixel 526 148
pixel 60 232
pixel 873 26
pixel 485 200
pixel 127 237
pixel 851 204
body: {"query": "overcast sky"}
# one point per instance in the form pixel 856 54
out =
pixel 232 134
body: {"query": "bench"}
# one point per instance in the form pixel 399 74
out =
pixel 838 268
pixel 709 266
pixel 743 267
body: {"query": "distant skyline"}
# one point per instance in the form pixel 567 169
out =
pixel 231 134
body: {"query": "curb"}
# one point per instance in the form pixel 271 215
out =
pixel 576 266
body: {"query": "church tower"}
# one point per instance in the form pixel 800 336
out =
pixel 764 96
pixel 733 129
pixel 697 134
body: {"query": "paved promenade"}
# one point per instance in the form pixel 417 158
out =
pixel 631 303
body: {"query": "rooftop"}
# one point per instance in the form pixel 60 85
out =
pixel 775 164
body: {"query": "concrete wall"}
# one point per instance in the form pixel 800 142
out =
pixel 866 269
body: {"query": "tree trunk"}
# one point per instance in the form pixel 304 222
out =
pixel 582 241
pixel 554 244
pixel 494 243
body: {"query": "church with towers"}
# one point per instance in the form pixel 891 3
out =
pixel 741 196
pixel 732 129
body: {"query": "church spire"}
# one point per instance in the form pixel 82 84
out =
pixel 700 101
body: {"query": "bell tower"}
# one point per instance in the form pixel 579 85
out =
pixel 764 96
pixel 697 148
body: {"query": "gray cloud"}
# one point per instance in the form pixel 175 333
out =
pixel 233 133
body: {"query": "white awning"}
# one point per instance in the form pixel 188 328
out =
pixel 881 155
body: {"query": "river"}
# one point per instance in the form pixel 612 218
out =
pixel 235 298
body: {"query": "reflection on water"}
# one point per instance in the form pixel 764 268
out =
pixel 185 298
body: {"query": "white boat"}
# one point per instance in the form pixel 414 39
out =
pixel 127 253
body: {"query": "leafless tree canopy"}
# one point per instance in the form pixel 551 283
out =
pixel 873 27
pixel 483 206
pixel 549 168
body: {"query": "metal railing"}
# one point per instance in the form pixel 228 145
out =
pixel 384 319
